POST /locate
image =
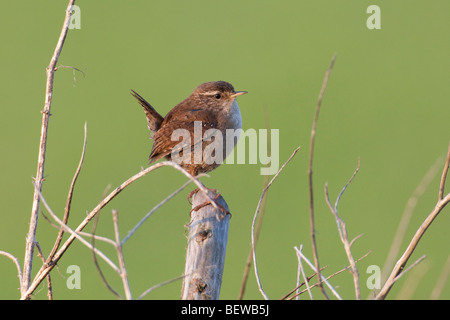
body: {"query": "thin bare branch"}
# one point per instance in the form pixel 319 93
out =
pixel 310 173
pixel 442 279
pixel 343 235
pixel 31 236
pixel 248 263
pixel 411 283
pixel 159 205
pixel 401 263
pixel 75 233
pixel 355 238
pixel 97 237
pixel 302 272
pixel 347 184
pixel 94 257
pixel 130 233
pixel 328 278
pixel 406 217
pixel 286 296
pixel 49 279
pixel 410 267
pixel 255 218
pixel 81 233
pixel 16 262
pixel 315 270
pixel 73 72
pixel 159 285
pixel 123 270
pixel 69 198
pixel 94 237
pixel 444 175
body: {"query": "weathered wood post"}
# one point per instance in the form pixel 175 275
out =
pixel 205 254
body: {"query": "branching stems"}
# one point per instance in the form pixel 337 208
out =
pixel 406 217
pixel 343 235
pixel 401 263
pixel 118 245
pixel 301 272
pixel 46 268
pixel 31 236
pixel 287 296
pixel 320 275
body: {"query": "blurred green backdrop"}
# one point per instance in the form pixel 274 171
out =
pixel 386 103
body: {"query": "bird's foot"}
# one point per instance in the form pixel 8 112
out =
pixel 221 208
pixel 193 192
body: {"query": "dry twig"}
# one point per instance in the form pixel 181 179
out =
pixel 95 237
pixel 310 172
pixel 159 285
pixel 255 218
pixel 401 263
pixel 248 263
pixel 130 233
pixel 123 270
pixel 320 275
pixel 343 235
pixel 75 234
pixel 159 205
pixel 31 236
pixel 16 262
pixel 301 271
pixel 406 217
pixel 285 297
pixel 49 279
pixel 436 292
pixel 69 199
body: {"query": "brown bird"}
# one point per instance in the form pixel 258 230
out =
pixel 212 105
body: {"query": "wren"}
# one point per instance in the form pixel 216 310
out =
pixel 214 105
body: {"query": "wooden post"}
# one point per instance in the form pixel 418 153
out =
pixel 205 254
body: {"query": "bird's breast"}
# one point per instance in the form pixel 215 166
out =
pixel 233 117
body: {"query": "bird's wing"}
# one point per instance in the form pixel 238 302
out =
pixel 177 133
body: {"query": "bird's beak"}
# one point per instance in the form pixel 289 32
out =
pixel 238 93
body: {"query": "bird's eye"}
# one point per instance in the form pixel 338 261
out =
pixel 217 96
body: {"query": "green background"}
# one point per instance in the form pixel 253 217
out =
pixel 386 103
